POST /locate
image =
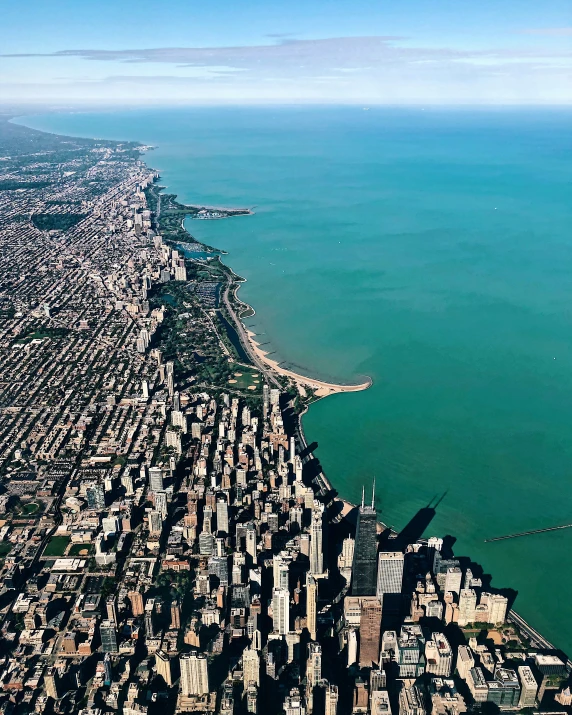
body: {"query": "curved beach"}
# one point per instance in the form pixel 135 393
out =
pixel 322 389
pixel 266 364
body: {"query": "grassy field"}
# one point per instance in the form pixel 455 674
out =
pixel 76 548
pixel 56 546
pixel 244 378
pixel 30 508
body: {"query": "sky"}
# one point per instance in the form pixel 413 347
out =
pixel 286 51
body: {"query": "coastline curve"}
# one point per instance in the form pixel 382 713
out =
pixel 321 388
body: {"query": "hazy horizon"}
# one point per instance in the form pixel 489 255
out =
pixel 360 52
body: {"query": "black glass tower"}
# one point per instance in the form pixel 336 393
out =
pixel 364 579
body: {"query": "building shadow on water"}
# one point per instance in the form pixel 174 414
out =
pixel 413 530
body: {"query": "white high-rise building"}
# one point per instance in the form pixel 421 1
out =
pixel 179 419
pixel 314 664
pixel 380 704
pixel 389 573
pixel 467 605
pixel 316 540
pixel 497 608
pixel 438 655
pixel 465 661
pixel 298 468
pixel 173 439
pixel 352 647
pixel 528 687
pixel 156 479
pixel 294 705
pixel 194 674
pixel 280 565
pixel 161 503
pixel 251 667
pixel 281 610
pixel 346 558
pixel 332 700
pixel 453 580
pixel 222 516
pixel 127 484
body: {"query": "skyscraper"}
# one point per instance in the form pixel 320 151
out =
pixel 155 522
pixel 108 637
pixel 465 661
pixel 251 667
pixel 365 551
pixel 111 606
pixel 369 631
pixel 316 540
pixel 528 687
pixel 438 655
pixel 95 496
pixel 281 610
pixel 467 605
pixel 390 573
pixel 331 700
pixel 314 664
pixel 453 580
pixel 156 479
pixel 222 516
pixel 51 683
pixel 175 615
pixel 252 700
pixel 127 483
pixel 161 504
pixel 137 604
pixel 194 674
pixel 149 618
pixel 163 665
pixel 311 605
pixel 294 704
pixel 497 608
pixel 280 566
pixel 251 540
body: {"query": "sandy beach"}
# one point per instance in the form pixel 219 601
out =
pixel 322 389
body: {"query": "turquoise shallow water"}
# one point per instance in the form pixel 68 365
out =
pixel 431 250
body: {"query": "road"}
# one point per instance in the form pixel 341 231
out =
pixel 245 340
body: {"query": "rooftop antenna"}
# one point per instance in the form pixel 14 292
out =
pixel 373 495
pixel 362 496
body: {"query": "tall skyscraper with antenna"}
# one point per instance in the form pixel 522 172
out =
pixel 364 577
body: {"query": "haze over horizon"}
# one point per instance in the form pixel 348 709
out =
pixel 351 52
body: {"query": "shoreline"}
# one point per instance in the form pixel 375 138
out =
pixel 321 388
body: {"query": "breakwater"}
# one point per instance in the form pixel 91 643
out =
pixel 528 533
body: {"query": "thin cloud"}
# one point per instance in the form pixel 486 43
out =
pixel 346 53
pixel 549 31
pixel 374 68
